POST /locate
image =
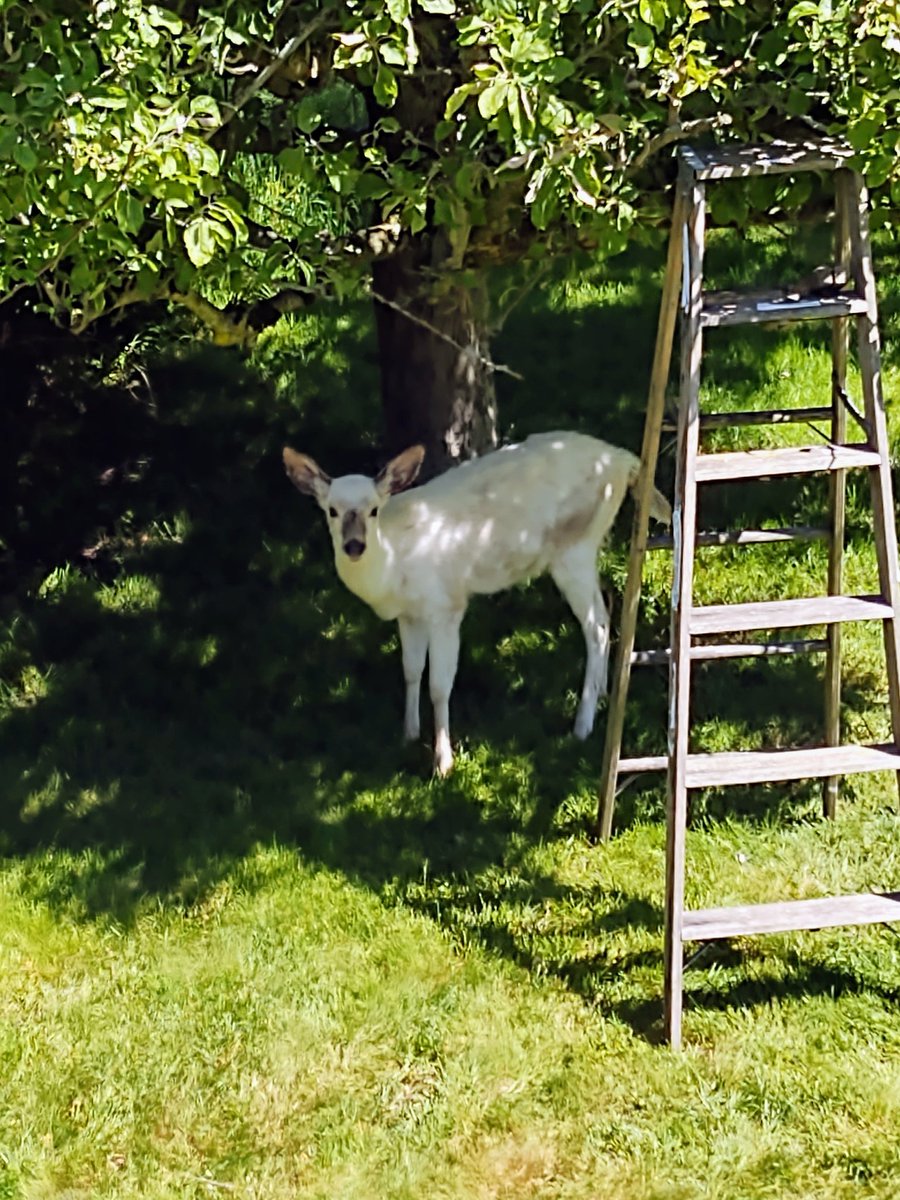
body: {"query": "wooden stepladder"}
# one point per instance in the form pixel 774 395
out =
pixel 841 293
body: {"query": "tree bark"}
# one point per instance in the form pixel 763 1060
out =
pixel 436 387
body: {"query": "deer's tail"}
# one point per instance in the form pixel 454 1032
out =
pixel 660 508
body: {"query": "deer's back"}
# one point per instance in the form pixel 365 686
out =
pixel 500 519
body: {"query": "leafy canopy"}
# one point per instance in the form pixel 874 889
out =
pixel 239 150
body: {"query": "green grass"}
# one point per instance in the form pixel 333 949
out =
pixel 249 947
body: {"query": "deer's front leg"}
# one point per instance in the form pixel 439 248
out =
pixel 414 647
pixel 443 655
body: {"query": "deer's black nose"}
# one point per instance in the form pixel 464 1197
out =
pixel 354 548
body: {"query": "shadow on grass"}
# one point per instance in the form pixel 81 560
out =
pixel 202 684
pixel 747 979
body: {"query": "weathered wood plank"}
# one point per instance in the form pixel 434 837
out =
pixel 783 460
pixel 659 376
pixel 732 767
pixel 746 537
pixel 764 416
pixel 837 489
pixel 778 304
pixel 703 653
pixel 684 527
pixel 786 614
pixel 869 354
pixel 868 908
pixel 778 157
pixel 642 763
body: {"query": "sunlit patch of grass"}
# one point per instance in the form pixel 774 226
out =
pixel 134 593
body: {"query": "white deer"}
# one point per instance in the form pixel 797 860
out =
pixel 418 557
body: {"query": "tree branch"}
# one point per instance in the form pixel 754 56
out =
pixel 227 330
pixel 439 333
pixel 289 48
pixel 678 132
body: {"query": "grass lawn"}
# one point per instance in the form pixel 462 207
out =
pixel 248 947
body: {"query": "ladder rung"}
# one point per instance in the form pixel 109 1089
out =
pixel 756 649
pixel 659 658
pixel 778 304
pixel 730 767
pixel 774 158
pixel 649 762
pixel 870 908
pixel 745 537
pixel 785 614
pixel 765 416
pixel 783 460
pixel 761 416
pixel 650 658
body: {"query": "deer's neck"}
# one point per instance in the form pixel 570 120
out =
pixel 371 577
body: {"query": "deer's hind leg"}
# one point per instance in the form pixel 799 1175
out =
pixel 574 571
pixel 443 659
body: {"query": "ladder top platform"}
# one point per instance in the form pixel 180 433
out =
pixel 773 158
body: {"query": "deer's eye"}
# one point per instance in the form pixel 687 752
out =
pixel 374 512
pixel 332 512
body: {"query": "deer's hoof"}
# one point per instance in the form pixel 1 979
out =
pixel 443 766
pixel 583 726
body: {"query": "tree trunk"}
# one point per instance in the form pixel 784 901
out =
pixel 436 388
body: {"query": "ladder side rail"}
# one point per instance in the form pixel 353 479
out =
pixel 837 489
pixel 684 532
pixel 869 351
pixel 662 358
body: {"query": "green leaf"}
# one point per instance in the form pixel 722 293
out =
pixel 112 97
pixel 806 8
pixel 385 86
pixel 129 212
pixel 25 156
pixel 445 8
pixel 613 121
pixel 642 41
pixel 469 30
pixel 164 18
pixel 340 105
pixel 555 70
pixel 199 241
pixel 798 102
pixel 652 13
pixel 457 99
pixel 308 113
pixel 878 169
pixel 862 133
pixel 227 209
pixel 205 106
pixel 294 160
pixel 147 279
pixel 392 54
pixel 398 9
pixel 493 98
pixel 545 202
pixel 82 278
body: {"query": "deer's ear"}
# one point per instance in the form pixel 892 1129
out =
pixel 400 472
pixel 305 474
